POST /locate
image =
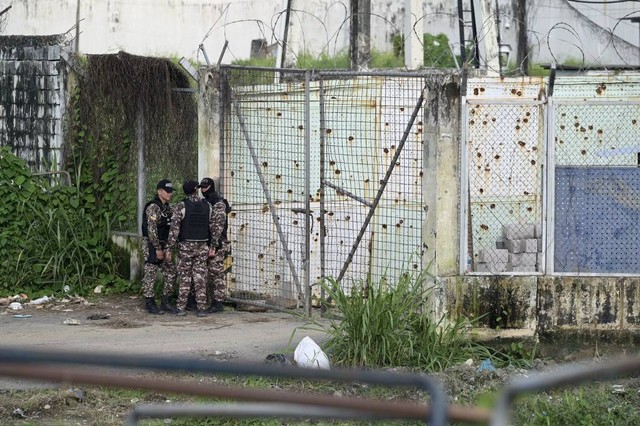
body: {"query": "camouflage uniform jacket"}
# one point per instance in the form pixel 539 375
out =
pixel 179 211
pixel 154 213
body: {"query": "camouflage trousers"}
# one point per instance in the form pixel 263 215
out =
pixel 150 273
pixel 192 268
pixel 217 284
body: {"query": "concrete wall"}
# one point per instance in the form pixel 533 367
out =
pixel 32 99
pixel 176 28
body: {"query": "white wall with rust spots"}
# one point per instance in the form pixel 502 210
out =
pixel 558 30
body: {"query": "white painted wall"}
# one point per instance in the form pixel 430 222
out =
pixel 177 27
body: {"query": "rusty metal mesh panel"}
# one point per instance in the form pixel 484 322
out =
pixel 264 166
pixel 597 188
pixel 364 119
pixel 505 153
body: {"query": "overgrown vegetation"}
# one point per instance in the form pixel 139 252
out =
pixel 118 97
pixel 56 236
pixel 387 326
pixel 50 236
pixel 598 404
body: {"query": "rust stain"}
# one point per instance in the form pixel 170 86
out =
pixel 484 227
pixel 328 131
pixel 600 89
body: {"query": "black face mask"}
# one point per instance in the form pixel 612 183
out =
pixel 209 191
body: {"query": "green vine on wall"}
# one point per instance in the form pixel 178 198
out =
pixel 55 237
pixel 115 95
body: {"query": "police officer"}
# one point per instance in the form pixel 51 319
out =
pixel 215 265
pixel 156 222
pixel 193 228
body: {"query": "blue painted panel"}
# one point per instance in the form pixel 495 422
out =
pixel 597 220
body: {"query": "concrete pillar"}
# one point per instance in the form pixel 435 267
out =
pixel 441 179
pixel 209 120
pixel 413 38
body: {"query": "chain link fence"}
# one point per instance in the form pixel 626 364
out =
pixel 264 168
pixel 324 172
pixel 505 151
pixel 372 129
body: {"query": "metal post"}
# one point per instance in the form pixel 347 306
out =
pixel 307 191
pixel 463 58
pixel 323 142
pixel 142 179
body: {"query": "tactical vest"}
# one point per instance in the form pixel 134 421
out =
pixel 195 225
pixel 164 223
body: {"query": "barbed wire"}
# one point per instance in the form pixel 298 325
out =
pixel 325 35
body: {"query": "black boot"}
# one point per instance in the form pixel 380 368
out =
pixel 167 306
pixel 191 302
pixel 151 307
pixel 216 306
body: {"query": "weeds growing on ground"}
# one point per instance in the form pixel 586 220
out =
pixel 388 326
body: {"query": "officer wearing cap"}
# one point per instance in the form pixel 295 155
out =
pixel 215 265
pixel 156 222
pixel 192 229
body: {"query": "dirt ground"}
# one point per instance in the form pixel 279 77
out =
pixel 118 324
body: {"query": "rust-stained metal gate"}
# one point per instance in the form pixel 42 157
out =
pixel 550 176
pixel 324 173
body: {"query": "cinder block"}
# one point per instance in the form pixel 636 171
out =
pixel 531 245
pixel 516 246
pixel 540 244
pixel 523 259
pixel 539 259
pixel 501 245
pixel 517 231
pixel 493 255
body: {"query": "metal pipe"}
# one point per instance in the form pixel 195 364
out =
pixel 347 193
pixel 27 358
pixel 323 143
pixel 307 190
pixel 463 57
pixel 244 410
pixel 61 172
pixel 375 407
pixel 562 377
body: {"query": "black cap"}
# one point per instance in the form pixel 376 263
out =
pixel 190 186
pixel 165 184
pixel 207 182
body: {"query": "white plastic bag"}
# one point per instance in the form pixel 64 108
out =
pixel 16 306
pixel 41 300
pixel 309 355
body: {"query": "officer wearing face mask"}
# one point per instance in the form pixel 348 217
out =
pixel 216 285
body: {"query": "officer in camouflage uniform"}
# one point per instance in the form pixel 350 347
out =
pixel 193 227
pixel 156 222
pixel 216 282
